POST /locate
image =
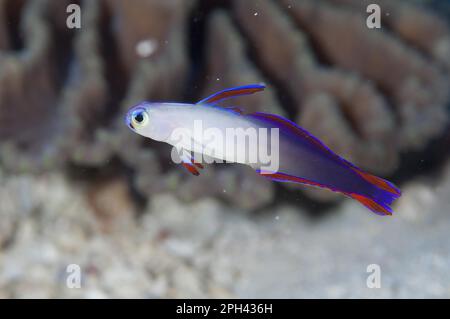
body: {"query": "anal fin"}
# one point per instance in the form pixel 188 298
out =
pixel 371 204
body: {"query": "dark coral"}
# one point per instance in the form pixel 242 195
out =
pixel 371 95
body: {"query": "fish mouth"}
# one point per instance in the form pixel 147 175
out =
pixel 128 121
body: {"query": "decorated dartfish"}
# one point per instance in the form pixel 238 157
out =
pixel 301 157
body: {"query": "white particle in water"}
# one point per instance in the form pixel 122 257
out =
pixel 146 48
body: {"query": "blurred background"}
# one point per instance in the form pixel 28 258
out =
pixel 78 187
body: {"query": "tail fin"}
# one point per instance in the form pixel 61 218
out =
pixel 382 197
pixel 377 206
pixel 379 182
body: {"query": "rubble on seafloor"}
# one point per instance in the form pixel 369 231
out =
pixel 373 96
pixel 205 249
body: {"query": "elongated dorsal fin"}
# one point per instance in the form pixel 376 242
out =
pixel 233 92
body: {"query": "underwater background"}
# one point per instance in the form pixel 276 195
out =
pixel 78 187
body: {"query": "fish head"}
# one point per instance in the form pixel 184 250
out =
pixel 145 119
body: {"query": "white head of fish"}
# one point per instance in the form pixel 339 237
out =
pixel 149 120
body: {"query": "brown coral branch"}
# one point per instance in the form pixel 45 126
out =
pixel 415 85
pixel 27 92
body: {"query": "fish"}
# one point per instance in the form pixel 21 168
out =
pixel 299 156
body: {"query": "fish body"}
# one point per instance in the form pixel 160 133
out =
pixel 302 158
pixel 170 117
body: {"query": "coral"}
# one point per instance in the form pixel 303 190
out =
pixel 227 65
pixel 415 86
pixel 416 25
pixel 369 65
pixel 372 96
pixel 28 92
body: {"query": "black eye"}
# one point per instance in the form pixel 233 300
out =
pixel 139 118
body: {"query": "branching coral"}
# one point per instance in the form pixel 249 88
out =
pixel 371 95
pixel 304 78
pixel 27 87
pixel 415 86
pixel 227 65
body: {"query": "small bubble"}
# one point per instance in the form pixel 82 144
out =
pixel 289 6
pixel 255 14
pixel 277 217
pixel 218 79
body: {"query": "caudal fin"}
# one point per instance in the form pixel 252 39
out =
pixel 383 195
pixel 379 182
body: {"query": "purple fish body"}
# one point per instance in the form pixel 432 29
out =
pixel 305 159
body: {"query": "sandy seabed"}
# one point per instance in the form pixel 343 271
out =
pixel 207 249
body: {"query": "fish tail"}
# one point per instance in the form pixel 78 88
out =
pixel 381 196
pixel 378 196
pixel 380 206
pixel 379 182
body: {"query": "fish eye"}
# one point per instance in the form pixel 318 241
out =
pixel 139 118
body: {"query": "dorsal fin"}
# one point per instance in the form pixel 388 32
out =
pixel 232 92
pixel 299 131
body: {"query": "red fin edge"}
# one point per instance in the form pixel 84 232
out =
pixel 371 204
pixel 191 168
pixel 379 182
pixel 226 95
pixel 198 165
pixel 233 92
pixel 289 178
